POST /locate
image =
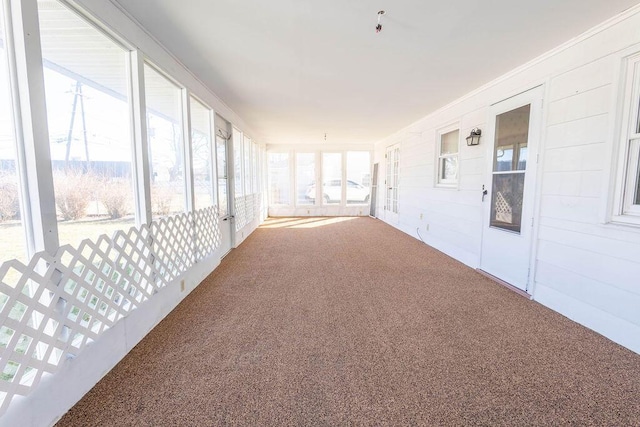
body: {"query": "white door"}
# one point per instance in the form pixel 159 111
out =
pixel 509 192
pixel 224 195
pixel 392 180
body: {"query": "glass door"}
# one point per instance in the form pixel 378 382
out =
pixel 225 195
pixel 391 183
pixel 509 195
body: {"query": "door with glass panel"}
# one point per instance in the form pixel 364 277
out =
pixel 224 191
pixel 508 194
pixel 392 180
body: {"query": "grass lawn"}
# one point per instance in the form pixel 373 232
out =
pixel 12 241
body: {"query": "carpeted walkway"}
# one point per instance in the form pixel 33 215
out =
pixel 348 321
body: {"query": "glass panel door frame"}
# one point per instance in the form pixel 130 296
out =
pixel 392 183
pixel 506 254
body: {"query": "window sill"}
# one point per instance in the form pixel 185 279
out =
pixel 626 220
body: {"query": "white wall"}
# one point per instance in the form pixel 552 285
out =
pixel 583 266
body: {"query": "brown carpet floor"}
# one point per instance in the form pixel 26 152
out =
pixel 351 322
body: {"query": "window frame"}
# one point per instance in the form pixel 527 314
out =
pixel 291 172
pixel 626 210
pixel 439 181
pixel 212 148
pixel 185 121
pixel 316 162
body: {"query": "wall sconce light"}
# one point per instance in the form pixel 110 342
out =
pixel 474 137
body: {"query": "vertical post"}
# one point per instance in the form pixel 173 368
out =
pixel 138 104
pixel 30 111
pixel 188 158
pixel 344 178
pixel 213 169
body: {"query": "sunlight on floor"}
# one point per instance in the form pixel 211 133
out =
pixel 309 222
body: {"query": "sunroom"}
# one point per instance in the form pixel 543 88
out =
pixel 154 155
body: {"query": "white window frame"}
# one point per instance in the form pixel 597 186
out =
pixel 625 210
pixel 291 161
pixel 441 182
pixel 316 174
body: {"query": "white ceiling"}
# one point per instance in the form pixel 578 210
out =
pixel 295 69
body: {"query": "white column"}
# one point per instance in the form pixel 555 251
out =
pixel 142 180
pixel 188 160
pixel 32 130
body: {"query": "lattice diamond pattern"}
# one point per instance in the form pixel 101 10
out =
pixel 53 307
pixel 240 213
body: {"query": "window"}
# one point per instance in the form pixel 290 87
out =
pixel 237 162
pixel 166 143
pixel 12 243
pixel 305 178
pixel 448 157
pixel 628 203
pixel 332 178
pixel 279 179
pixel 358 177
pixel 86 87
pixel 248 181
pixel 256 170
pixel 201 154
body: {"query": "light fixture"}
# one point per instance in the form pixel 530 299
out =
pixel 379 26
pixel 474 137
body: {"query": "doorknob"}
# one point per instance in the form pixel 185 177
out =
pixel 484 193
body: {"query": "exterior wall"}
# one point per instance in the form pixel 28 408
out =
pixel 584 266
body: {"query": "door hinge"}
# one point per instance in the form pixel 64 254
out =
pixel 537 158
pixel 532 222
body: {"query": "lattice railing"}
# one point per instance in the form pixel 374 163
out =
pixel 53 307
pixel 246 209
pixel 240 212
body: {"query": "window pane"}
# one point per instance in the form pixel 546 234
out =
pixel 166 146
pixel 86 85
pixel 512 135
pixel 358 177
pixel 279 178
pixel 247 165
pixel 449 168
pixel 306 178
pixel 201 154
pixel 12 242
pixel 332 178
pixel 237 162
pixel 506 201
pixel 449 142
pixel 254 168
pixel 221 155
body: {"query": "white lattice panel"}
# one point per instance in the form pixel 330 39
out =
pixel 53 307
pixel 250 207
pixel 240 213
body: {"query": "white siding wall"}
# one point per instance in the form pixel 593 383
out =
pixel 585 268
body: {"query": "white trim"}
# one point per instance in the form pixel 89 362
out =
pixel 625 210
pixel 142 179
pixel 32 112
pixel 187 153
pixel 441 182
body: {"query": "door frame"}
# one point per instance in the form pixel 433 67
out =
pixel 389 216
pixel 228 220
pixel 538 95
